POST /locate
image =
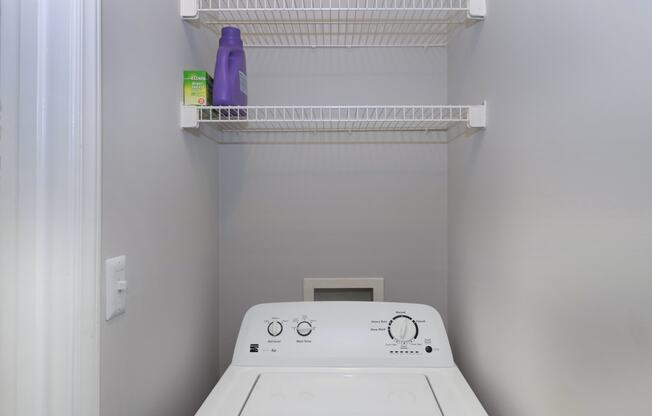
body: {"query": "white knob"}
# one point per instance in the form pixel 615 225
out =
pixel 403 328
pixel 304 328
pixel 275 328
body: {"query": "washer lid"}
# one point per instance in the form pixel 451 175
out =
pixel 337 394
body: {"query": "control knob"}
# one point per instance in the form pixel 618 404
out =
pixel 275 328
pixel 304 328
pixel 402 328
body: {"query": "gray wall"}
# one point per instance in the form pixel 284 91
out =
pixel 289 211
pixel 550 209
pixel 160 209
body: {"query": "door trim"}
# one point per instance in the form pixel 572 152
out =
pixel 51 202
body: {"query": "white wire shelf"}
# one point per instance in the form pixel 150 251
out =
pixel 335 118
pixel 337 23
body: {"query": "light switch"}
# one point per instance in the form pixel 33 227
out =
pixel 115 274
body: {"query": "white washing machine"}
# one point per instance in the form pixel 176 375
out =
pixel 342 359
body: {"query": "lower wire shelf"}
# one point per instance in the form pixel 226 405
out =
pixel 335 118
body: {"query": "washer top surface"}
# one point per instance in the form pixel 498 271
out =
pixel 337 394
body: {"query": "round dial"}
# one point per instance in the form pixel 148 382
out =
pixel 402 328
pixel 304 328
pixel 275 328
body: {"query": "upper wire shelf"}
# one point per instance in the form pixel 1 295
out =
pixel 335 118
pixel 337 23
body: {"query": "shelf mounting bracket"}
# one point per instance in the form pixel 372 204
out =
pixel 189 10
pixel 477 9
pixel 478 116
pixel 189 117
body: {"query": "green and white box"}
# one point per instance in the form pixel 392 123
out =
pixel 197 88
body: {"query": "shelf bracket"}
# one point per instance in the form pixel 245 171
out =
pixel 189 117
pixel 188 9
pixel 477 9
pixel 478 116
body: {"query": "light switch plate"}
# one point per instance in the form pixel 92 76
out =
pixel 115 274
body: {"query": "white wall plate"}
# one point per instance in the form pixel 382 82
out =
pixel 116 286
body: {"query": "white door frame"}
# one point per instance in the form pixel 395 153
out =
pixel 50 187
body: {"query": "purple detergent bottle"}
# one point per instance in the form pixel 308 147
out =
pixel 230 81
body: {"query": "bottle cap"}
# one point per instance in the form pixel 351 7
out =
pixel 230 32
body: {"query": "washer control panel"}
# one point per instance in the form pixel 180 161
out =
pixel 347 334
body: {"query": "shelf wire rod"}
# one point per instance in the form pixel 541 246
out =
pixel 354 24
pixel 424 118
pixel 379 30
pixel 408 12
pixel 303 23
pixel 331 25
pixel 284 35
pixel 313 117
pixel 273 28
pixel 357 24
pixel 441 31
pixel 345 24
pixel 281 118
pixel 431 122
pixel 256 31
pixel 329 14
pixel 312 35
pixel 332 122
pixel 365 119
pixel 339 27
pixel 362 29
pixel 389 117
pixel 417 122
pixel 406 6
pixel 369 13
pixel 319 29
pixel 395 27
pixel 358 27
pixel 298 26
pixel 339 117
pixel 382 33
pixel 423 39
pixel 293 25
pixel 252 28
pixel 271 121
pixel 326 27
pixel 374 29
pixel 270 25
